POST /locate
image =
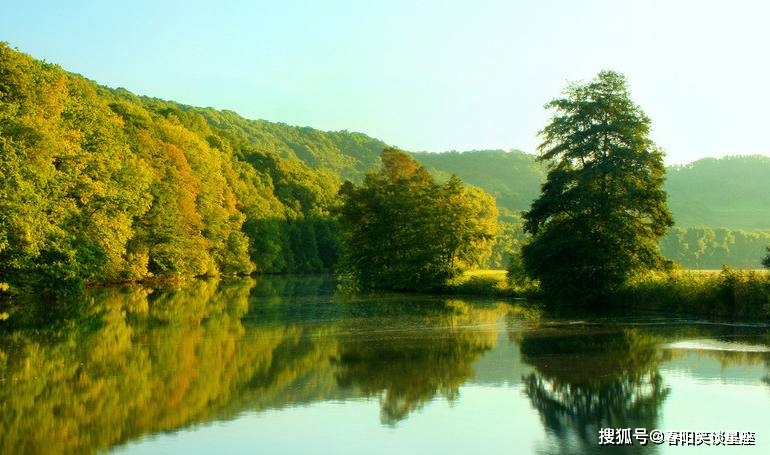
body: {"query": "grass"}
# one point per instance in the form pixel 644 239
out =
pixel 486 282
pixel 726 293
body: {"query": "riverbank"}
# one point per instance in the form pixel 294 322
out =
pixel 721 294
pixel 728 293
pixel 724 294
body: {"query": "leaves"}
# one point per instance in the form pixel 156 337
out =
pixel 403 231
pixel 101 185
pixel 602 208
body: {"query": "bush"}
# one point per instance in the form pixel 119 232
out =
pixel 729 293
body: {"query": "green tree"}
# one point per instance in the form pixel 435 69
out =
pixel 403 231
pixel 602 209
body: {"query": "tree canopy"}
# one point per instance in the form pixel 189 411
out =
pixel 100 185
pixel 602 209
pixel 403 231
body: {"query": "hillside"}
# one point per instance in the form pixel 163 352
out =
pixel 731 192
pixel 720 206
pixel 345 154
pixel 101 185
pixel 513 178
pixel 98 184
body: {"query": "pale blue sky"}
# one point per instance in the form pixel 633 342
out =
pixel 430 75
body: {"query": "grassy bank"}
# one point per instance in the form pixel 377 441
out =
pixel 724 294
pixel 734 294
pixel 488 282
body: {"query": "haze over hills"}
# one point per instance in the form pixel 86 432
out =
pixel 732 192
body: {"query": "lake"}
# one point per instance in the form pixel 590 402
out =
pixel 285 365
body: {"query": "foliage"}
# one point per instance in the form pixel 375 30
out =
pixel 491 170
pixel 158 360
pixel 735 294
pixel 724 195
pixel 706 248
pixel 404 231
pixel 99 185
pixel 602 209
pixel 730 192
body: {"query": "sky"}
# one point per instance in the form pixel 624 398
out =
pixel 425 75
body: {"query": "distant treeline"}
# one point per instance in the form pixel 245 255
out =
pixel 692 248
pixel 705 248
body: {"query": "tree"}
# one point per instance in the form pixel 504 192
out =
pixel 766 259
pixel 602 209
pixel 403 231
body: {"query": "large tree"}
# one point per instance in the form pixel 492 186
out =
pixel 403 231
pixel 602 209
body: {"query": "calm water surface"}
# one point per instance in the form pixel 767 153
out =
pixel 285 365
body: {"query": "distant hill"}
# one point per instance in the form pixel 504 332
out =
pixel 732 192
pixel 513 178
pixel 721 206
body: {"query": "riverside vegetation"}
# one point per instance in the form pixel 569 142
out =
pixel 98 185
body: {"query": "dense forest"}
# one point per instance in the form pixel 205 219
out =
pixel 101 185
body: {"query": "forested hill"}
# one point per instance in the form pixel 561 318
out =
pixel 513 178
pixel 720 206
pixel 102 185
pixel 347 155
pixel 732 192
pixel 728 193
pixel 99 184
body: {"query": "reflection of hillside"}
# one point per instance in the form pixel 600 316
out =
pixel 585 381
pixel 406 369
pixel 153 364
pixel 157 361
pixel 292 299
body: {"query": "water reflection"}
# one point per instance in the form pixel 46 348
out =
pixel 159 360
pixel 407 368
pixel 146 361
pixel 585 381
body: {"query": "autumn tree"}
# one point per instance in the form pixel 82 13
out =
pixel 602 209
pixel 403 231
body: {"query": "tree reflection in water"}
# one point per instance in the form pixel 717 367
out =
pixel 406 367
pixel 153 361
pixel 585 381
pixel 149 361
